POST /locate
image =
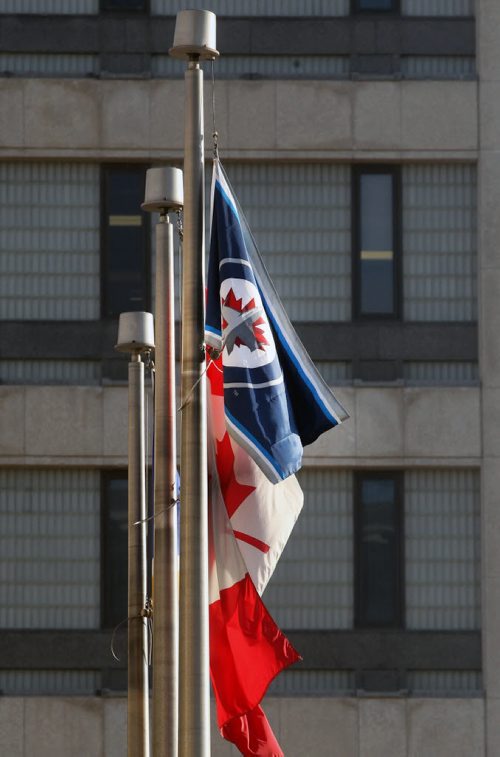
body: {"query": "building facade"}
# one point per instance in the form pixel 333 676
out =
pixel 362 139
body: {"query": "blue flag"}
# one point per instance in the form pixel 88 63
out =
pixel 275 400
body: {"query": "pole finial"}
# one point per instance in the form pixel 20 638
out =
pixel 195 35
pixel 164 190
pixel 135 333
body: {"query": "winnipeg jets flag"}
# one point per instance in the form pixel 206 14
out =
pixel 275 400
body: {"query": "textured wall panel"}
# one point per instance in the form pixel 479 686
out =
pixel 441 372
pixel 444 682
pixel 315 682
pixel 256 8
pixel 77 372
pixel 300 215
pixel 335 372
pixel 72 7
pixel 49 548
pixel 312 586
pixel 26 64
pixel 49 241
pixel 442 549
pixel 438 66
pixel 437 7
pixel 439 242
pixel 40 682
pixel 262 66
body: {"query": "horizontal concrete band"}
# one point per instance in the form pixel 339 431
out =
pixel 321 650
pixel 336 120
pixel 388 425
pixel 129 34
pixel 356 341
pixel 321 726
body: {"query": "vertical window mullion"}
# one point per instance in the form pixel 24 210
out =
pixel 376 237
pixel 378 550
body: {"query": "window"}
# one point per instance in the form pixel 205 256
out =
pixel 378 550
pixel 125 241
pixel 114 545
pixel 124 5
pixel 114 548
pixel 376 5
pixel 376 242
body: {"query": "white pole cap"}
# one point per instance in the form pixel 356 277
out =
pixel 164 190
pixel 195 35
pixel 135 332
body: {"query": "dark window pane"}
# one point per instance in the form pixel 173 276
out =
pixel 115 549
pixel 376 249
pixel 378 553
pixel 376 211
pixel 123 5
pixel 115 546
pixel 126 241
pixel 376 5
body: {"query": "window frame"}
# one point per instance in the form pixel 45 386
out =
pixel 105 169
pixel 357 172
pixel 398 622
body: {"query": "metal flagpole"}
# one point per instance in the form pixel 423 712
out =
pixel 164 193
pixel 135 335
pixel 194 39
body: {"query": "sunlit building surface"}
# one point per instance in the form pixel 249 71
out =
pixel 363 140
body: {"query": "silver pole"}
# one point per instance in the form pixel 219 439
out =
pixel 138 685
pixel 165 589
pixel 194 705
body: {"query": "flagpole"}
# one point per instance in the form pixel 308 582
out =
pixel 163 194
pixel 194 38
pixel 135 336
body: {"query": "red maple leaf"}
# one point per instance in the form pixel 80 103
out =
pixel 231 301
pixel 258 333
pixel 233 493
pixel 249 306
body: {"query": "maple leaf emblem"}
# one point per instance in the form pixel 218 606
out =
pixel 242 324
pixel 233 492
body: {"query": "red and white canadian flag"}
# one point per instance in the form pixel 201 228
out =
pixel 250 521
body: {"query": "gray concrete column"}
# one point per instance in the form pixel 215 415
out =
pixel 488 49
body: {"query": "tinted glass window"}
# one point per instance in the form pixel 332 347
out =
pixel 375 243
pixel 377 253
pixel 126 262
pixel 114 558
pixel 123 5
pixel 376 5
pixel 115 549
pixel 378 552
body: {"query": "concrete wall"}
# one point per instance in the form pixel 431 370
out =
pixel 322 119
pixel 488 26
pixel 406 426
pixel 96 727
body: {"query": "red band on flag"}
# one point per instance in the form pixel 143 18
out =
pixel 257 543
